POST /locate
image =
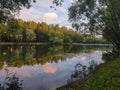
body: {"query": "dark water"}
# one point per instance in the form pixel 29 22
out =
pixel 46 67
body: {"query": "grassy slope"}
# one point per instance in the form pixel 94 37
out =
pixel 107 78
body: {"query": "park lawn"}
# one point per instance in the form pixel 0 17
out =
pixel 106 78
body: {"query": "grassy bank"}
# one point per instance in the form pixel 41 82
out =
pixel 107 77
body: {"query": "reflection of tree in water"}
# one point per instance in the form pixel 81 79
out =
pixel 82 71
pixel 30 55
pixel 43 87
pixel 56 49
pixel 110 55
pixel 11 82
pixel 40 54
pixel 1 64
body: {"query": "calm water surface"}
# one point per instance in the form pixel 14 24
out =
pixel 47 67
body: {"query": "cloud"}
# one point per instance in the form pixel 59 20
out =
pixel 49 68
pixel 41 12
pixel 29 14
pixel 83 57
pixel 47 17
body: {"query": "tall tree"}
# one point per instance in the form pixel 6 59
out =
pixel 8 8
pixel 96 16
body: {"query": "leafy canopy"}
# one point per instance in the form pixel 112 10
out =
pixel 8 8
pixel 99 16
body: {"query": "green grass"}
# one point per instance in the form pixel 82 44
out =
pixel 106 78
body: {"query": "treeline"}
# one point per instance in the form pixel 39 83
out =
pixel 21 31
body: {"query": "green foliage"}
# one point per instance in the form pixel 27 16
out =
pixel 56 37
pixel 107 78
pixel 20 31
pixel 3 32
pixel 109 56
pixel 10 31
pixel 8 8
pixel 30 35
pixel 99 16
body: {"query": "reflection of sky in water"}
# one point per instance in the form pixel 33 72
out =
pixel 52 75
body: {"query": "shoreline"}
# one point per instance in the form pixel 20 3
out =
pixel 78 83
pixel 44 43
pixel 22 43
pixel 95 44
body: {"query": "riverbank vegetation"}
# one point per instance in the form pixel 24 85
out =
pixel 107 78
pixel 104 77
pixel 21 31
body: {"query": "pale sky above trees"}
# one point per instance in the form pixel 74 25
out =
pixel 41 12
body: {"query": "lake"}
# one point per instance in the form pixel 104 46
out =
pixel 47 67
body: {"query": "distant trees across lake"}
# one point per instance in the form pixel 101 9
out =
pixel 21 31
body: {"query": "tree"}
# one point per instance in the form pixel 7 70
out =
pixel 13 29
pixel 24 35
pixel 56 37
pixel 8 8
pixel 96 16
pixel 30 35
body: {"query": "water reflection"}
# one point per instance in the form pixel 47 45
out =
pixel 30 55
pixel 86 66
pixel 48 67
pixel 82 71
pixel 11 82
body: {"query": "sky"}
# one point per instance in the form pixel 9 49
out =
pixel 41 12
